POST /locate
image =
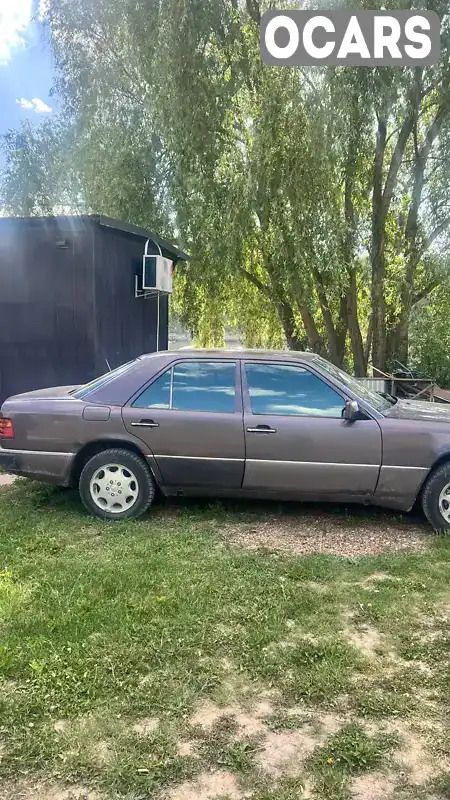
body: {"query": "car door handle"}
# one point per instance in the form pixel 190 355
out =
pixel 145 423
pixel 262 429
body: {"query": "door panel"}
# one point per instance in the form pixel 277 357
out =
pixel 311 455
pixel 192 447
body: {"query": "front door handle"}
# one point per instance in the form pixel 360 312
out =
pixel 262 429
pixel 145 423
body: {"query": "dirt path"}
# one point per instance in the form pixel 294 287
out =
pixel 353 532
pixel 6 480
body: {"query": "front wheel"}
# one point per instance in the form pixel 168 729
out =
pixel 116 484
pixel 436 498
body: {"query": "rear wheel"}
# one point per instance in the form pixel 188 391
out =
pixel 116 484
pixel 436 498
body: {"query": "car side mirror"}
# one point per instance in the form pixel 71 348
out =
pixel 351 410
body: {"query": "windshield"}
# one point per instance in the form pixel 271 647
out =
pixel 375 399
pixel 82 391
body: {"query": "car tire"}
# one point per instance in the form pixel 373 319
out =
pixel 116 484
pixel 432 501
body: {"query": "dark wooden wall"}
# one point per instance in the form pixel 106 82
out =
pixel 63 312
pixel 46 305
pixel 125 325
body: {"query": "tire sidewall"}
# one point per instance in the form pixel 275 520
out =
pixel 430 498
pixel 131 461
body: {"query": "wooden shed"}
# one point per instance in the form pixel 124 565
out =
pixel 71 299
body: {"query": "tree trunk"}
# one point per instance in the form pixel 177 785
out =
pixel 368 344
pixel 378 303
pixel 293 341
pixel 351 300
pixel 378 257
pixel 413 253
pixel 398 344
pixel 336 334
pixel 315 340
pixel 341 330
pixel 359 359
pixel 383 192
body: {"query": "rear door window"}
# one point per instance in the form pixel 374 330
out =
pixel 157 395
pixel 204 386
pixel 208 386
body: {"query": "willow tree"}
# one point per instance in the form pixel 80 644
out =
pixel 38 175
pixel 314 202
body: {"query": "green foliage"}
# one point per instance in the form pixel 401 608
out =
pixel 267 175
pixel 430 337
pixel 39 176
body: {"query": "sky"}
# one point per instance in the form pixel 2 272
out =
pixel 26 72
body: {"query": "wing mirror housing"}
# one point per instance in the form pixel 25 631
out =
pixel 351 410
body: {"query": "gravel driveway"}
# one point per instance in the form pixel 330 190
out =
pixel 341 531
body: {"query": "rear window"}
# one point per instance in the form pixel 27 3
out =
pixel 82 391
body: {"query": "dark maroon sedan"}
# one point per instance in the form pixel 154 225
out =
pixel 245 423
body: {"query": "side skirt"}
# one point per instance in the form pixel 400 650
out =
pixel 255 494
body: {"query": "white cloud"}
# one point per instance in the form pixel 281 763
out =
pixel 15 16
pixel 43 9
pixel 35 104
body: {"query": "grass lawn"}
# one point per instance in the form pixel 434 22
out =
pixel 175 658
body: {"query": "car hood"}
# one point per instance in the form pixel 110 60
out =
pixel 416 409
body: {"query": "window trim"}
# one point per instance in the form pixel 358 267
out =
pixel 300 365
pixel 144 388
pixel 238 406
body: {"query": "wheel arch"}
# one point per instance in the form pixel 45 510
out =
pixel 444 458
pixel 91 449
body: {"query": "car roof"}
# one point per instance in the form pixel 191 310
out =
pixel 194 352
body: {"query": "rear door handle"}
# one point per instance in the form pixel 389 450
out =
pixel 262 429
pixel 145 423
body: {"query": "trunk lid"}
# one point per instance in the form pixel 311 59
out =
pixel 54 392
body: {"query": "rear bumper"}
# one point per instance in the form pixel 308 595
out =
pixel 37 464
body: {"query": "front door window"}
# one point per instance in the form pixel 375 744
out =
pixel 282 389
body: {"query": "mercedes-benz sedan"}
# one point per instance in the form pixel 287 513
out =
pixel 245 423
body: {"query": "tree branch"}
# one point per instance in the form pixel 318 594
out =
pixel 257 282
pixel 415 253
pixel 434 235
pixel 403 136
pixel 311 86
pixel 253 11
pixel 396 160
pixel 419 296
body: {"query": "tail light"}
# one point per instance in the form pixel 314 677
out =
pixel 6 428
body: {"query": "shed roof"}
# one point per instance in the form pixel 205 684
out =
pixel 106 222
pixel 128 227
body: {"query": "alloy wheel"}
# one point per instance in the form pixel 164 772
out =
pixel 114 488
pixel 444 503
